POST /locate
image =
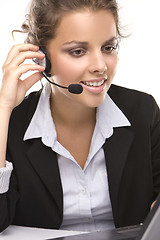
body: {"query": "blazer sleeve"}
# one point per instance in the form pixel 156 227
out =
pixel 155 147
pixel 8 202
pixel 9 199
pixel 5 174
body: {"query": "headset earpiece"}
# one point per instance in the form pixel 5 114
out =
pixel 45 63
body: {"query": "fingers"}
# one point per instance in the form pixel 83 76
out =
pixel 15 72
pixel 13 89
pixel 14 66
pixel 17 60
pixel 31 80
pixel 16 49
pixel 29 67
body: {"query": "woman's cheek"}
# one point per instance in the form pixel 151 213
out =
pixel 112 65
pixel 69 67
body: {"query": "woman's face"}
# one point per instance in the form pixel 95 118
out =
pixel 85 45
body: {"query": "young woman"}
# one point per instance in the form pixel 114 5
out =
pixel 83 161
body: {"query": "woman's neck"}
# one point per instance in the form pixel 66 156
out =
pixel 70 113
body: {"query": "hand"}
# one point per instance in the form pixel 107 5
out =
pixel 13 89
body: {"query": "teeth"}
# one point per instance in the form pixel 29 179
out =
pixel 94 84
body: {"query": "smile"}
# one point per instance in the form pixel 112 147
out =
pixel 94 83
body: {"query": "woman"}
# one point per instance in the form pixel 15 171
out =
pixel 83 161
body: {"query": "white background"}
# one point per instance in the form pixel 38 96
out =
pixel 139 55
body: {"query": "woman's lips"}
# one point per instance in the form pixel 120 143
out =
pixel 94 85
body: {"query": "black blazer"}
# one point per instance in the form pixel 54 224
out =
pixel 35 196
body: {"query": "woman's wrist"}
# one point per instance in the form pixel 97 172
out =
pixel 4 122
pixel 5 111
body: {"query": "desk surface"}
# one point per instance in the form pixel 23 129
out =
pixel 27 233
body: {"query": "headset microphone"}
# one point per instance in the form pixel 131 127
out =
pixel 72 88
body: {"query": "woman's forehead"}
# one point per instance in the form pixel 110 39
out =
pixel 80 26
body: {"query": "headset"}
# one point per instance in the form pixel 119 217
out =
pixel 72 88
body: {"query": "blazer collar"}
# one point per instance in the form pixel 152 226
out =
pixel 108 117
pixel 116 151
pixel 45 163
pixel 43 159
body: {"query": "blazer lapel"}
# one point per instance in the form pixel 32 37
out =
pixel 44 161
pixel 116 150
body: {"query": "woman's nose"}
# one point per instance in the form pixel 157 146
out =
pixel 98 63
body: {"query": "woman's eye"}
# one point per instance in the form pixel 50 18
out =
pixel 77 52
pixel 110 49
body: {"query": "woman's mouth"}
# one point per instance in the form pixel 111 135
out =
pixel 94 85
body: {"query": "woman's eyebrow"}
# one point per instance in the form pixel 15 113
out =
pixel 114 39
pixel 86 43
pixel 76 42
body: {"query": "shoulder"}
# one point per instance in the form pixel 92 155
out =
pixel 22 114
pixel 134 103
pixel 28 104
pixel 122 93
